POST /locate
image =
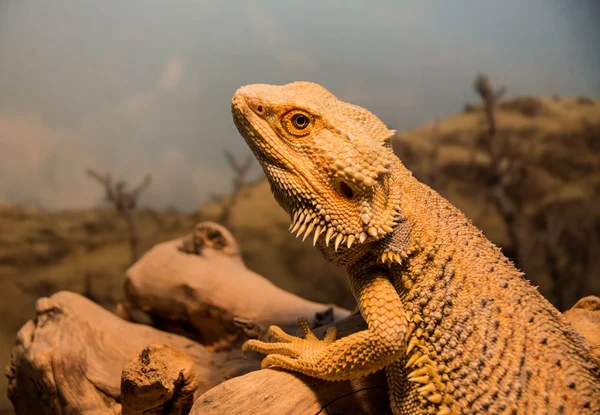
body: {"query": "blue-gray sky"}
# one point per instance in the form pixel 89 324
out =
pixel 145 86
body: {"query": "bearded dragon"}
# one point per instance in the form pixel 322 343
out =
pixel 457 328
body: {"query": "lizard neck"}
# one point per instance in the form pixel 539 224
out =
pixel 417 234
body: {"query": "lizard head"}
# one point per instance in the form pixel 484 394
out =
pixel 328 162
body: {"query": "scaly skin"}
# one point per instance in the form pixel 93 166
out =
pixel 456 326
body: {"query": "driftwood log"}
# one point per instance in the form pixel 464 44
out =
pixel 198 284
pixel 268 392
pixel 161 379
pixel 70 358
pixel 76 357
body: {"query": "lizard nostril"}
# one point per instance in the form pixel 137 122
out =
pixel 346 190
pixel 259 109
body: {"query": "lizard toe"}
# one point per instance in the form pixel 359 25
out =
pixel 286 349
pixel 278 335
pixel 304 328
pixel 286 362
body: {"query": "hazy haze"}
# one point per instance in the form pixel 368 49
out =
pixel 145 86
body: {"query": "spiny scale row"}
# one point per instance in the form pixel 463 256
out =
pixel 346 168
pixel 423 371
pixel 389 257
pixel 374 231
pixel 306 222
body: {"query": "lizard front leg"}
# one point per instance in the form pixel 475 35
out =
pixel 356 355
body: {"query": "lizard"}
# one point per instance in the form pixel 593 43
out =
pixel 456 326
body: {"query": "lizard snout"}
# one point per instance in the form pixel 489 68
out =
pixel 243 100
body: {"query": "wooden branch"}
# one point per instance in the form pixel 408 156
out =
pixel 484 89
pixel 135 193
pixel 270 391
pixel 70 358
pixel 198 284
pixel 126 203
pixel 160 380
pixel 105 181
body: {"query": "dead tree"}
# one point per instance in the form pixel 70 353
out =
pixel 240 180
pixel 126 204
pixel 568 243
pixel 484 89
pixel 504 171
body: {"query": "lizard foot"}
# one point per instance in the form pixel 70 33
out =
pixel 300 354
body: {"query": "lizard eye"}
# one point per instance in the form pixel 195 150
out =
pixel 300 121
pixel 297 123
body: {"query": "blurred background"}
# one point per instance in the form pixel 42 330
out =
pixel 116 133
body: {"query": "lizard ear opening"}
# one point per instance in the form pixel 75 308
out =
pixel 346 190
